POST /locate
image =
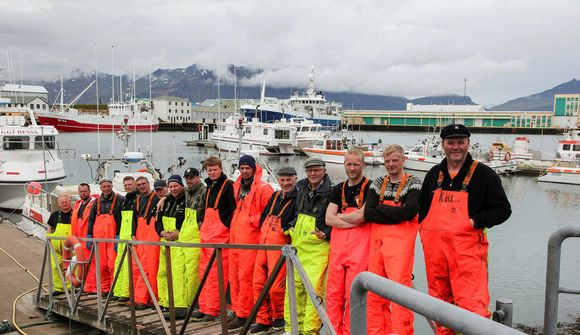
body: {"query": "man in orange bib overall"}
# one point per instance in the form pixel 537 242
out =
pixel 275 221
pixel 349 246
pixel 103 220
pixel 144 230
pixel 252 195
pixel 459 199
pixel 80 215
pixel 392 208
pixel 219 208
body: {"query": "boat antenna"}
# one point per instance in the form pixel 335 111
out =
pixel 61 94
pixel 218 101
pixel 113 98
pixel 464 91
pixel 133 98
pixel 98 102
pixel 112 73
pixel 21 89
pixel 151 113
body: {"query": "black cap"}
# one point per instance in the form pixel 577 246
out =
pixel 286 171
pixel 191 172
pixel 159 184
pixel 455 131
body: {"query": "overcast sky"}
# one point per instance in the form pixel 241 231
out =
pixel 505 49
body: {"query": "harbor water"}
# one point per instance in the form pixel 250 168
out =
pixel 517 258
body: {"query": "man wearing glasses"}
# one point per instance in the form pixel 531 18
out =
pixel 310 236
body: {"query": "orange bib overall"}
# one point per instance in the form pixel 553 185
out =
pixel 271 233
pixel 455 252
pixel 212 231
pixel 392 253
pixel 104 227
pixel 349 255
pixel 148 255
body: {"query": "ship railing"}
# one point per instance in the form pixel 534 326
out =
pixel 553 288
pixel 446 314
pixel 40 198
pixel 129 256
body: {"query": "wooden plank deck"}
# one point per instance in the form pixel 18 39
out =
pixel 118 318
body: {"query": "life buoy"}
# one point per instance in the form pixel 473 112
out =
pixel 507 157
pixel 75 266
pixel 142 170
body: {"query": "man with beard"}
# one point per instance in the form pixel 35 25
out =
pixel 252 195
pixel 460 198
pixel 103 221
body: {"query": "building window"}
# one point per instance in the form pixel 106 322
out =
pixel 182 103
pixel 37 106
pixel 169 110
pixel 31 106
pixel 44 106
pixel 266 131
pixel 169 102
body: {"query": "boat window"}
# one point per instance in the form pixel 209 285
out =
pixel 248 130
pixel 49 142
pixel 15 142
pixel 576 147
pixel 282 134
pixel 566 147
pixel 265 131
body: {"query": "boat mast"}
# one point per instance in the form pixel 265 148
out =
pixel 98 120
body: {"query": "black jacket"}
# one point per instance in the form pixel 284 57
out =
pixel 173 207
pixel 280 202
pixel 316 206
pixel 140 211
pixel 488 205
pixel 105 209
pixel 227 203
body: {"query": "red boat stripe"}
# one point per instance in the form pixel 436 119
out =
pixel 14 173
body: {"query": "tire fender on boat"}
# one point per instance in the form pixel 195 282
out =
pixel 71 262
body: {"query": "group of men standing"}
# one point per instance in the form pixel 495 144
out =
pixel 337 232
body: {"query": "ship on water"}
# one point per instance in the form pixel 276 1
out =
pixel 310 105
pixel 137 114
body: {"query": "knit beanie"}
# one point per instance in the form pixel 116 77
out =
pixel 248 160
pixel 175 178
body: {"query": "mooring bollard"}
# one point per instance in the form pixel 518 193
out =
pixel 504 311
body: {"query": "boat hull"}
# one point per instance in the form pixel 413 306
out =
pixel 13 194
pixel 420 164
pixel 68 124
pixel 561 176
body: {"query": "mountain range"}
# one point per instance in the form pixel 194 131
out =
pixel 197 84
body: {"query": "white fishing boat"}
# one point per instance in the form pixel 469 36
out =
pixel 283 137
pixel 566 170
pixel 39 202
pixel 332 150
pixel 429 152
pixel 29 152
pixel 423 156
pixel 310 105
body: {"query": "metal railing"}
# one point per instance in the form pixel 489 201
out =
pixel 553 288
pixel 449 315
pixel 73 296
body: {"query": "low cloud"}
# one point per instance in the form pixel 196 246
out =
pixel 412 48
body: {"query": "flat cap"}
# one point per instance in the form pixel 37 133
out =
pixel 191 172
pixel 105 180
pixel 286 171
pixel 455 131
pixel 313 161
pixel 158 184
